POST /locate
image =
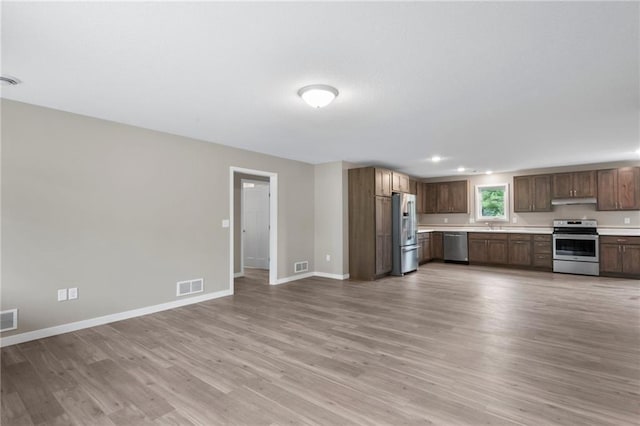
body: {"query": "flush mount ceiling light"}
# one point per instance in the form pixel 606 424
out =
pixel 461 169
pixel 488 172
pixel 435 158
pixel 318 95
pixel 6 80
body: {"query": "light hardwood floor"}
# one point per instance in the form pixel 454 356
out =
pixel 450 344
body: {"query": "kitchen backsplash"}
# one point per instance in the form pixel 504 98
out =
pixel 578 211
pixel 605 219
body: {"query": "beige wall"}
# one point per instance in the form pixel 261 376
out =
pixel 605 219
pixel 329 218
pixel 123 213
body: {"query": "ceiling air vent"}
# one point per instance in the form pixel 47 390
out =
pixel 301 266
pixel 189 287
pixel 9 320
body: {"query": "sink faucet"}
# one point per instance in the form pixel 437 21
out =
pixel 490 225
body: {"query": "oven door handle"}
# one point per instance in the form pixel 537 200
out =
pixel 575 237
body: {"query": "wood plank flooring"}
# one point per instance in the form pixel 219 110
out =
pixel 451 344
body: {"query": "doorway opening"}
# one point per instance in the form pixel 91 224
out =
pixel 253 226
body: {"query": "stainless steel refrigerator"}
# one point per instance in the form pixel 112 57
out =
pixel 404 234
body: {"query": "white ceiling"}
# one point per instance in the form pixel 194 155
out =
pixel 501 86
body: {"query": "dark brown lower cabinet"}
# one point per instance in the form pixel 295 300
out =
pixel 383 235
pixel 520 249
pixel 542 252
pixel 488 248
pixel 437 247
pixel 424 247
pixel 620 256
pixel 501 248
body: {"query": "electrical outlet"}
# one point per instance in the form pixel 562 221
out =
pixel 73 293
pixel 446 220
pixel 62 294
pixel 472 220
pixel 627 220
pixel 328 258
pixel 514 219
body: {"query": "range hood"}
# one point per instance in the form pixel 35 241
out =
pixel 567 201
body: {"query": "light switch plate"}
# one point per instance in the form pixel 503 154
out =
pixel 62 294
pixel 627 220
pixel 225 223
pixel 514 219
pixel 73 293
pixel 446 220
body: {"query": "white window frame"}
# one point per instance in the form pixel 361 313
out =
pixel 478 203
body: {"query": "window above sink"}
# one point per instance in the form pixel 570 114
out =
pixel 492 202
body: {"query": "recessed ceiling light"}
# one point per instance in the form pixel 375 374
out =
pixel 638 151
pixel 6 80
pixel 461 169
pixel 318 95
pixel 488 172
pixel 435 158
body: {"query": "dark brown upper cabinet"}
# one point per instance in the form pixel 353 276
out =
pixel 383 182
pixel 430 198
pixel 532 193
pixel 452 197
pixel 619 189
pixel 400 182
pixel 575 184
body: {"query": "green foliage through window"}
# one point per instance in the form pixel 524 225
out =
pixel 492 202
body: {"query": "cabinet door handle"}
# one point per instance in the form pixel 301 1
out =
pixel 619 247
pixel 534 207
pixel 624 249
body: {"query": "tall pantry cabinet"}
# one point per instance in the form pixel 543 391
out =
pixel 369 222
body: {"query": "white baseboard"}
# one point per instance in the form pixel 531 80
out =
pixel 92 322
pixel 292 278
pixel 309 275
pixel 238 275
pixel 332 276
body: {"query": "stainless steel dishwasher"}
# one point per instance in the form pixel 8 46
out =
pixel 455 247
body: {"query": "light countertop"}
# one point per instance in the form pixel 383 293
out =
pixel 524 230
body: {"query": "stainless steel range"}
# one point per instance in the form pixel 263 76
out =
pixel 576 247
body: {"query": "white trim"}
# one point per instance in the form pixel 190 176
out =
pixel 92 322
pixel 478 203
pixel 332 276
pixel 293 278
pixel 273 222
pixel 311 274
pixel 238 274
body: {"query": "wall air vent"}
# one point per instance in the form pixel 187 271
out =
pixel 9 320
pixel 301 266
pixel 189 287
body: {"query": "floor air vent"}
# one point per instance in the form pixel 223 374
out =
pixel 189 287
pixel 9 320
pixel 300 266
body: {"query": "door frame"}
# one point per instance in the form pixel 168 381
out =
pixel 242 182
pixel 273 222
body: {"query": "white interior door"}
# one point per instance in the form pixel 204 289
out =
pixel 255 224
